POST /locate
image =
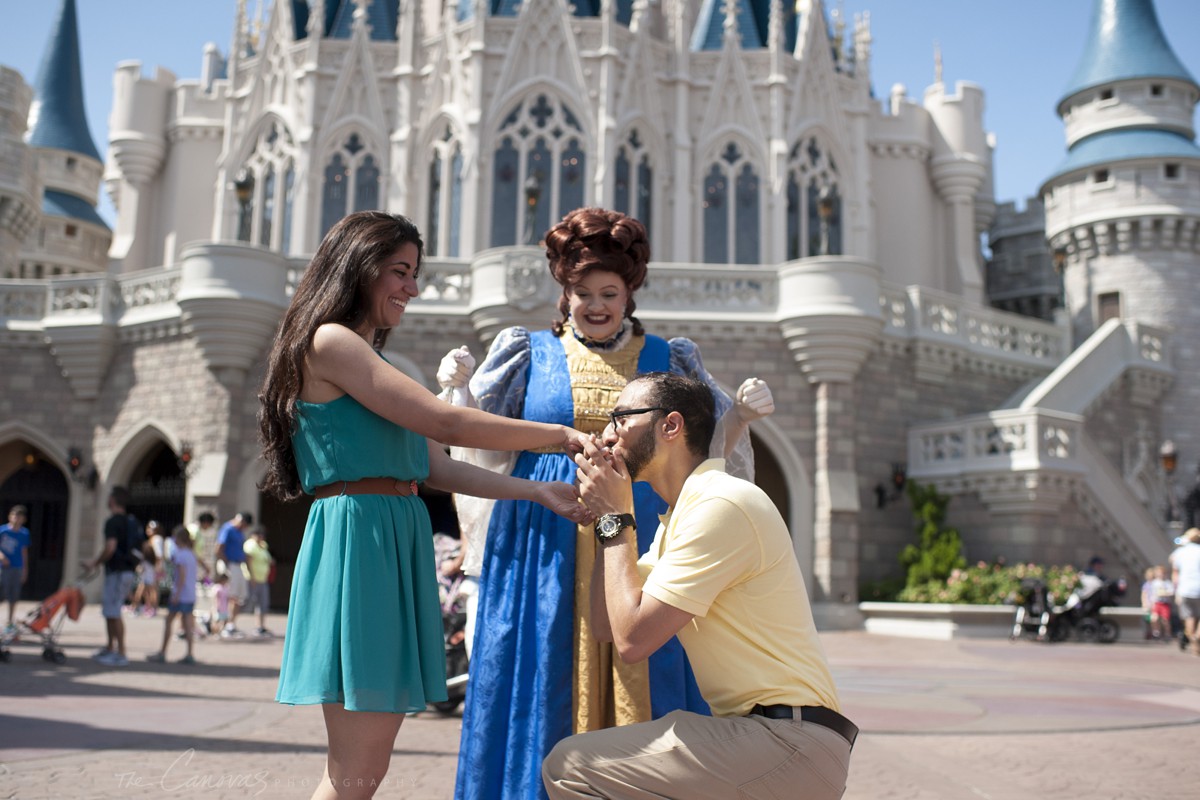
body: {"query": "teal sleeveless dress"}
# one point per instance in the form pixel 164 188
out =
pixel 364 623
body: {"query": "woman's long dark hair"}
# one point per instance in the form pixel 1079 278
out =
pixel 596 238
pixel 334 289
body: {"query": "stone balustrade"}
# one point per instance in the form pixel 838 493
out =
pixel 949 331
pixel 955 332
pixel 996 442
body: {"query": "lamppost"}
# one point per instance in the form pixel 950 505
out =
pixel 243 189
pixel 1168 456
pixel 533 192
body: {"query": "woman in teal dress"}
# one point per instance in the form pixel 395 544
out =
pixel 364 637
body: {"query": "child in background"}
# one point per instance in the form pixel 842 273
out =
pixel 145 597
pixel 1148 603
pixel 220 594
pixel 183 595
pixel 1164 596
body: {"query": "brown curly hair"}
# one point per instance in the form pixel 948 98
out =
pixel 596 238
pixel 334 288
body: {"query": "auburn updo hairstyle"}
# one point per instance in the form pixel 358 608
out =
pixel 596 238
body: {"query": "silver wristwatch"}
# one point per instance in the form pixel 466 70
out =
pixel 609 526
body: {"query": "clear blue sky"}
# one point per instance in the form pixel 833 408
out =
pixel 1022 52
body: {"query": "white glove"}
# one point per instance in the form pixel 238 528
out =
pixel 456 368
pixel 754 400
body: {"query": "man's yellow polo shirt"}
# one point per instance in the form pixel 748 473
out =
pixel 723 554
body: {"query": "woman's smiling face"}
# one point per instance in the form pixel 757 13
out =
pixel 395 286
pixel 597 304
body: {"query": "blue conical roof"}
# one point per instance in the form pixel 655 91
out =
pixel 1130 144
pixel 64 204
pixel 1125 41
pixel 58 118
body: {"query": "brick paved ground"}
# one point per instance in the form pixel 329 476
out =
pixel 967 719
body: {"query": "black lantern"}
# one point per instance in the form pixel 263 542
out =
pixel 1168 456
pixel 186 459
pixel 81 475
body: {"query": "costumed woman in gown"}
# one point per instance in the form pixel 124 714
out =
pixel 537 673
pixel 337 421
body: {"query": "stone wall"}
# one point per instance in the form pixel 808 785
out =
pixel 890 398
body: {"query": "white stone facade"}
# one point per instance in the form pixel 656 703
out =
pixel 871 328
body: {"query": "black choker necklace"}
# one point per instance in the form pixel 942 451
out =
pixel 615 342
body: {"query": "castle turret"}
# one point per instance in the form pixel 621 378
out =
pixel 73 239
pixel 138 143
pixel 1122 209
pixel 959 166
pixel 19 192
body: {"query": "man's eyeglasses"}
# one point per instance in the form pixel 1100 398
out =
pixel 629 412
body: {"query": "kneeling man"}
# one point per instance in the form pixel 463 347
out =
pixel 721 574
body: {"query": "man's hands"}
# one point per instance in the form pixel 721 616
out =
pixel 456 368
pixel 562 499
pixel 603 481
pixel 754 400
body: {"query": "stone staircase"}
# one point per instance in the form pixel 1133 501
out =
pixel 1035 455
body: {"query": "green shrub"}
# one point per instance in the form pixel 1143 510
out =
pixel 937 572
pixel 938 551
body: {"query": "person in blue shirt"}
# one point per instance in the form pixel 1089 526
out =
pixel 14 558
pixel 231 542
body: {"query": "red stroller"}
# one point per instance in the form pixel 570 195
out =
pixel 45 622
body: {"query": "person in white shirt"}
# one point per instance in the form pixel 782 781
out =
pixel 1185 574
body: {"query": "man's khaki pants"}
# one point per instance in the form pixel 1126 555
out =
pixel 693 757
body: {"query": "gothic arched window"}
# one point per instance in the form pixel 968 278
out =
pixel 633 190
pixel 261 197
pixel 731 209
pixel 445 172
pixel 352 182
pixel 814 202
pixel 539 171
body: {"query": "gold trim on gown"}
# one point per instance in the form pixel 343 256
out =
pixel 607 691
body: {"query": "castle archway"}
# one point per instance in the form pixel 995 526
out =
pixel 29 478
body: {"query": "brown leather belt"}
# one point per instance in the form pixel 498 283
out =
pixel 818 715
pixel 390 486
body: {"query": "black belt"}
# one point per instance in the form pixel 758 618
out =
pixel 819 715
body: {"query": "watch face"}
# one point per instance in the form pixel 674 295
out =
pixel 610 525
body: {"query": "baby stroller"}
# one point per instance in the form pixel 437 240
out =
pixel 45 622
pixel 454 622
pixel 1081 615
pixel 1036 614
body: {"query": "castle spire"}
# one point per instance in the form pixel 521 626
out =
pixel 1125 42
pixel 57 118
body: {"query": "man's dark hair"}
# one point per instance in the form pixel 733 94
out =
pixel 247 518
pixel 121 496
pixel 692 399
pixel 207 518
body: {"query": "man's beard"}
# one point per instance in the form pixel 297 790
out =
pixel 639 453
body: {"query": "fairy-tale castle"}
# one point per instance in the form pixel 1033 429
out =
pixel 804 230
